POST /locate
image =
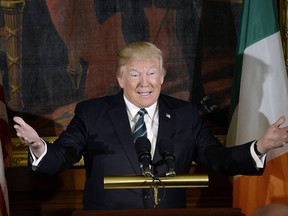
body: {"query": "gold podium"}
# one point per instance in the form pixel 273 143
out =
pixel 181 181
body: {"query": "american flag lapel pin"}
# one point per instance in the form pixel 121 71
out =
pixel 168 115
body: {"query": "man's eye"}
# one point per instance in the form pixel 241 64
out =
pixel 151 73
pixel 135 75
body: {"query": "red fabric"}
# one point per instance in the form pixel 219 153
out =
pixel 3 208
pixel 5 144
pixel 2 93
pixel 4 137
pixel 96 43
pixel 5 131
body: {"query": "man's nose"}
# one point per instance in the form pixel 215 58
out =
pixel 144 80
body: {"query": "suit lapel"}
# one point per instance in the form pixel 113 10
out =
pixel 120 120
pixel 167 121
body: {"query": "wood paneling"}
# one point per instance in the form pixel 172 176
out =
pixel 34 194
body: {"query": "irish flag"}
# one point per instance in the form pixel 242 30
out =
pixel 259 98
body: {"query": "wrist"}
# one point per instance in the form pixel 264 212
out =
pixel 38 147
pixel 259 154
pixel 37 144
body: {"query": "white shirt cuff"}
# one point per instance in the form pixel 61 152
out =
pixel 36 161
pixel 259 161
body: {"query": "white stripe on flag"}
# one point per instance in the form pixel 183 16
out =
pixel 263 91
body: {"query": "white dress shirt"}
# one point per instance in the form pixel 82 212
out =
pixel 151 120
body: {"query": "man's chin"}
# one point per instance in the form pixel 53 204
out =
pixel 146 103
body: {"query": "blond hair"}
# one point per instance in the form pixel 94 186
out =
pixel 139 51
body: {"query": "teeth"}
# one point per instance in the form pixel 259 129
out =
pixel 143 93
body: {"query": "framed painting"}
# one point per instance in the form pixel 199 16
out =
pixel 57 53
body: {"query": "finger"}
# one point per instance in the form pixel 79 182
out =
pixel 18 129
pixel 280 121
pixel 22 139
pixel 18 133
pixel 19 121
pixel 28 141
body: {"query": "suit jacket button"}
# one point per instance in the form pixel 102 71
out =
pixel 147 197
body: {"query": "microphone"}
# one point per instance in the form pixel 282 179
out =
pixel 143 148
pixel 166 150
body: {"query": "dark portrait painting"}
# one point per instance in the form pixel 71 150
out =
pixel 66 53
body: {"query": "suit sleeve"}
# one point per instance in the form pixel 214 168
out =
pixel 232 161
pixel 67 149
pixel 213 155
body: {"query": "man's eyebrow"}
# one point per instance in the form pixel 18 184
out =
pixel 134 70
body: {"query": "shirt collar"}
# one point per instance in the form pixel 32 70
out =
pixel 132 109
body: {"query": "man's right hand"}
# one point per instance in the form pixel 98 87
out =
pixel 29 136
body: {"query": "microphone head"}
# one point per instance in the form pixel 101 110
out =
pixel 166 150
pixel 143 148
pixel 142 144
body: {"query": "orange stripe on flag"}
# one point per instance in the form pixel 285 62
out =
pixel 251 192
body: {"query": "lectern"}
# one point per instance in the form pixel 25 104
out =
pixel 180 181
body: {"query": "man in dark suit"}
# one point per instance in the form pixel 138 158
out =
pixel 101 131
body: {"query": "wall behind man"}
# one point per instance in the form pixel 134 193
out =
pixel 64 37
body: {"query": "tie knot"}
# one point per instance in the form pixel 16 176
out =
pixel 142 112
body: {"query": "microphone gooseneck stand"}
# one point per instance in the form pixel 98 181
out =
pixel 149 169
pixel 157 184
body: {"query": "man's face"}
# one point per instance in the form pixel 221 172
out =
pixel 141 82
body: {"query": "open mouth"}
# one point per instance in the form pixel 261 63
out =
pixel 144 93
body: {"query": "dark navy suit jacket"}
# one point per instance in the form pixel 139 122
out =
pixel 100 131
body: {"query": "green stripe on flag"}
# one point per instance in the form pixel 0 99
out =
pixel 263 25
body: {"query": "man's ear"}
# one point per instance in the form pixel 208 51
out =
pixel 120 81
pixel 163 75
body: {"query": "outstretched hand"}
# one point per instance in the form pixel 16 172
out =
pixel 29 136
pixel 275 137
